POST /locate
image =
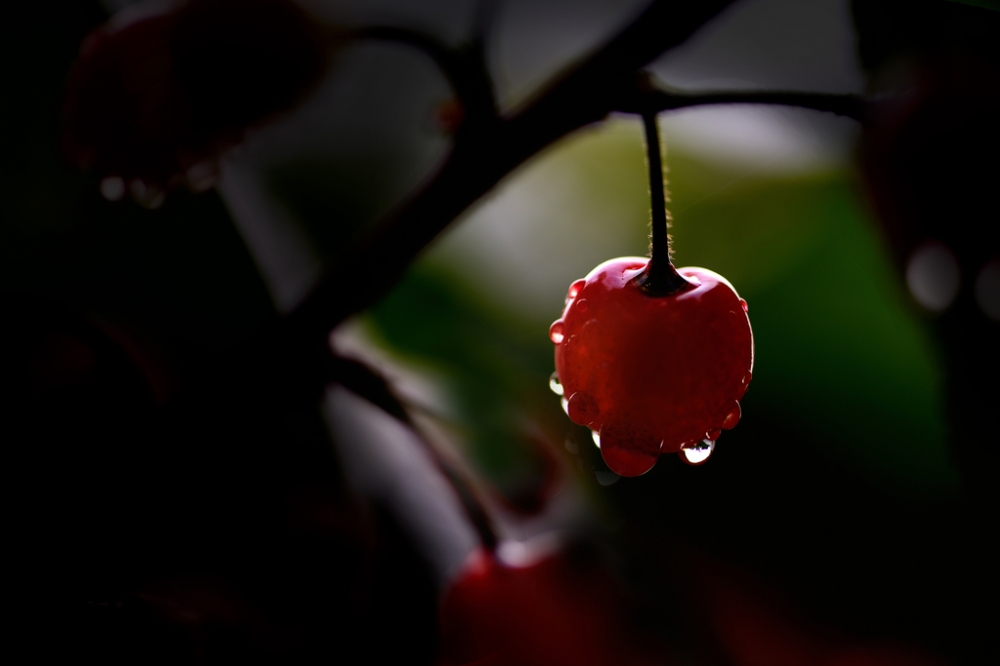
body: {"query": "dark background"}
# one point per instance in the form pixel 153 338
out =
pixel 171 500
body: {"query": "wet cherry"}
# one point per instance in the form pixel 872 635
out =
pixel 652 359
pixel 652 374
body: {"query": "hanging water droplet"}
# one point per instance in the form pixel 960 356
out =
pixel 606 478
pixel 113 188
pixel 596 436
pixel 698 453
pixel 628 451
pixel 988 290
pixel 744 304
pixel 733 417
pixel 933 276
pixel 201 176
pixel 555 384
pixel 575 288
pixel 582 408
pixel 556 331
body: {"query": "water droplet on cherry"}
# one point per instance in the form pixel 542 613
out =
pixel 556 331
pixel 699 453
pixel 733 417
pixel 582 408
pixel 581 305
pixel 606 478
pixel 565 405
pixel 743 303
pixel 113 188
pixel 575 288
pixel 628 452
pixel 713 434
pixel 554 384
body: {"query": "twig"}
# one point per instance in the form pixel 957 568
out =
pixel 483 154
pixel 645 101
pixel 464 67
pixel 365 382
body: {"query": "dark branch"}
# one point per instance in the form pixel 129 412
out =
pixel 484 153
pixel 465 68
pixel 656 100
pixel 365 382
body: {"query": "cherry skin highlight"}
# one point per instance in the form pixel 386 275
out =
pixel 652 374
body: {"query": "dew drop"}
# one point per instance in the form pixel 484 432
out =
pixel 988 290
pixel 201 176
pixel 733 417
pixel 628 452
pixel 147 195
pixel 582 408
pixel 555 384
pixel 581 305
pixel 575 288
pixel 933 276
pixel 113 188
pixel 606 478
pixel 743 303
pixel 713 434
pixel 556 331
pixel 699 453
pixel 596 436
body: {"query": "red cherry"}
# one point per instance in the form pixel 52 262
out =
pixel 156 102
pixel 652 374
pixel 533 607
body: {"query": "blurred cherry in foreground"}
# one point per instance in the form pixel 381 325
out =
pixel 527 604
pixel 154 103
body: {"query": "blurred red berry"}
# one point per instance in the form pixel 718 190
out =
pixel 524 607
pixel 154 104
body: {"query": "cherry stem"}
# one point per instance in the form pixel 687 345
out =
pixel 660 278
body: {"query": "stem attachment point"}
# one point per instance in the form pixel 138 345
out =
pixel 660 278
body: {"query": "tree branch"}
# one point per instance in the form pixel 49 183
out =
pixel 485 152
pixel 645 101
pixel 465 68
pixel 362 380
